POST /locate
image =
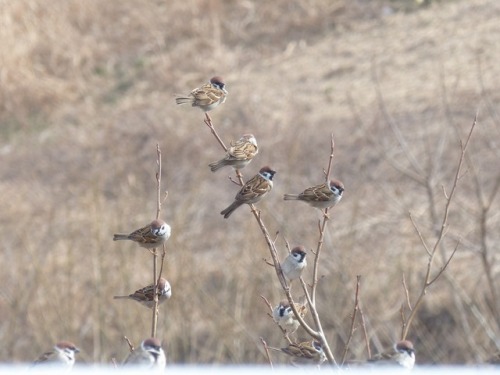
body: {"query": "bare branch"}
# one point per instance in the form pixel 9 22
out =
pixel 208 122
pixel 266 348
pixel 422 240
pixel 353 320
pixel 442 233
pixel 445 266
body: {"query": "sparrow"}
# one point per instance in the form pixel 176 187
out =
pixel 294 263
pixel 151 236
pixel 145 296
pixel 320 196
pixel 63 354
pixel 306 352
pixel 149 354
pixel 206 97
pixel 284 316
pixel 239 155
pixel 401 354
pixel 253 190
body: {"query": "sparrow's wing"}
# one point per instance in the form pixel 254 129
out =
pixel 319 193
pixel 45 357
pixel 254 188
pixel 144 294
pixel 144 236
pixel 303 350
pixel 242 150
pixel 207 94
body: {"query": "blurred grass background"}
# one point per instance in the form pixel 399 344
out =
pixel 87 91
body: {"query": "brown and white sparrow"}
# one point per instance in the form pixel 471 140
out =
pixel 284 316
pixel 63 354
pixel 151 236
pixel 150 354
pixel 320 196
pixel 306 353
pixel 239 155
pixel 294 263
pixel 253 190
pixel 402 354
pixel 145 296
pixel 206 97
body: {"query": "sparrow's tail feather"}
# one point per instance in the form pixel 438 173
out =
pixel 183 100
pixel 228 211
pixel 119 237
pixel 215 166
pixel 120 297
pixel 290 197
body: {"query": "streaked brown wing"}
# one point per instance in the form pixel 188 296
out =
pixel 254 188
pixel 144 235
pixel 319 193
pixel 207 94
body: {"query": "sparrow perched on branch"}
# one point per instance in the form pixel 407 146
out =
pixel 294 263
pixel 150 354
pixel 306 353
pixel 284 316
pixel 239 155
pixel 63 354
pixel 253 190
pixel 151 236
pixel 320 196
pixel 145 296
pixel 206 97
pixel 401 354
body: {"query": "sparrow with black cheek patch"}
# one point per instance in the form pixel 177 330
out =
pixel 239 155
pixel 320 196
pixel 284 316
pixel 206 97
pixel 402 354
pixel 253 190
pixel 294 263
pixel 150 354
pixel 306 353
pixel 63 354
pixel 150 236
pixel 145 296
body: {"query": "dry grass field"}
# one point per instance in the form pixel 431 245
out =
pixel 87 92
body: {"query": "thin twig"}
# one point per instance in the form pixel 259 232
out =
pixel 208 122
pixel 154 322
pixel 353 319
pixel 130 346
pixel 407 293
pixel 322 228
pixel 442 233
pixel 266 348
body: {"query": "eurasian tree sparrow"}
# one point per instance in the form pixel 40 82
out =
pixel 253 190
pixel 239 155
pixel 284 316
pixel 145 296
pixel 320 196
pixel 63 354
pixel 206 97
pixel 306 353
pixel 150 354
pixel 401 354
pixel 151 236
pixel 294 263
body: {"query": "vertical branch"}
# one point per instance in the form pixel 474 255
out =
pixel 155 251
pixel 353 320
pixel 322 228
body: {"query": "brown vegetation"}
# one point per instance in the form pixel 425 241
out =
pixel 87 91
